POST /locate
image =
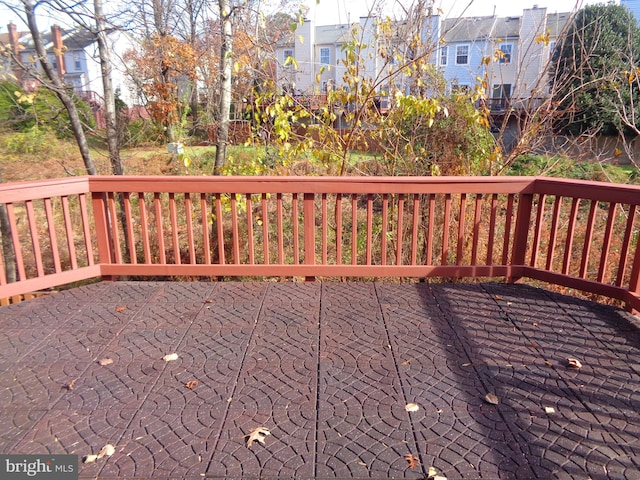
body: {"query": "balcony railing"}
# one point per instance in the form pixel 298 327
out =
pixel 581 235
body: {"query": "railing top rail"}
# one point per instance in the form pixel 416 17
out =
pixel 312 184
pixel 601 191
pixel 36 189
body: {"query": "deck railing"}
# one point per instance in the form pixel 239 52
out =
pixel 582 235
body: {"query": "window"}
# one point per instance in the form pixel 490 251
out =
pixel 325 56
pixel 288 53
pixel 462 55
pixel 444 51
pixel 507 50
pixel 76 63
pixel 459 89
pixel 500 96
pixel 552 48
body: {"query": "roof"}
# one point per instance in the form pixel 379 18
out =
pixel 332 34
pixel 479 28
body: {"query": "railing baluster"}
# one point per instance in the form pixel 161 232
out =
pixel 507 230
pixel 187 213
pixel 220 230
pixel 250 239
pixel 296 232
pixel 369 227
pixel 129 225
pixel 309 224
pixel 476 229
pixel 174 229
pixel 553 235
pixel 159 228
pixel 17 246
pixel 84 214
pixel 325 229
pixel 385 229
pixel 492 228
pixel 586 249
pixel 535 247
pixel 53 238
pixel 265 229
pixel 400 233
pixel 339 229
pixel 35 240
pixel 354 229
pixel 279 218
pixel 461 227
pixel 144 224
pixel 430 229
pixel 606 242
pixel 445 229
pixel 566 263
pixel 626 244
pixel 414 228
pixel 235 234
pixel 204 220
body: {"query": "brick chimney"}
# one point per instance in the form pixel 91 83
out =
pixel 13 38
pixel 58 49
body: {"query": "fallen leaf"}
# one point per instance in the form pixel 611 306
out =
pixel 121 309
pixel 71 385
pixel 406 362
pixel 548 363
pixel 105 361
pixel 107 451
pixel 89 458
pixel 574 363
pixel 433 475
pixel 258 434
pixel 492 398
pixel 191 384
pixel 549 410
pixel 208 301
pixel 170 357
pixel 495 297
pixel 412 460
pixel 362 463
pixel 411 407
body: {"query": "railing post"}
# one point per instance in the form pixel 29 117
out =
pixel 101 218
pixel 309 232
pixel 634 280
pixel 521 234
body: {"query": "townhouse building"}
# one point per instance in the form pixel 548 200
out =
pixel 74 55
pixel 509 53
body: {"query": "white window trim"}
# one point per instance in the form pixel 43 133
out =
pixel 468 53
pixel 328 50
pixel 444 55
pixel 503 58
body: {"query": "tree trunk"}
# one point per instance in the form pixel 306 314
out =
pixel 225 87
pixel 109 96
pixel 57 85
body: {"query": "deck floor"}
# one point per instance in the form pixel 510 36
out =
pixel 328 368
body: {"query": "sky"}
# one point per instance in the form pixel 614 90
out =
pixel 333 12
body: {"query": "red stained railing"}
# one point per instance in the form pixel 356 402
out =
pixel 582 235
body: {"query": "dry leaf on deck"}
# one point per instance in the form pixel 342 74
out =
pixel 71 385
pixel 107 451
pixel 492 398
pixel 170 357
pixel 258 434
pixel 411 407
pixel 574 363
pixel 89 458
pixel 406 362
pixel 105 361
pixel 191 384
pixel 433 475
pixel 121 309
pixel 549 410
pixel 412 460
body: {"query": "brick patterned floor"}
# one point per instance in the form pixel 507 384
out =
pixel 328 368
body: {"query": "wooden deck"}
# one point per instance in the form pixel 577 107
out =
pixel 328 368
